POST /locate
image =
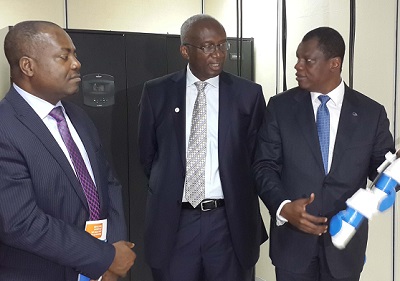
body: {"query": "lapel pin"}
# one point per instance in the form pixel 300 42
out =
pixel 177 109
pixel 355 114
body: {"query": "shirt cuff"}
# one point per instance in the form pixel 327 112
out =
pixel 279 219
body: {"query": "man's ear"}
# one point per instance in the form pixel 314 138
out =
pixel 26 64
pixel 184 52
pixel 336 63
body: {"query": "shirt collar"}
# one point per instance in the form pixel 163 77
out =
pixel 336 95
pixel 40 106
pixel 191 79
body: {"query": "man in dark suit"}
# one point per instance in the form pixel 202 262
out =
pixel 43 205
pixel 302 184
pixel 219 238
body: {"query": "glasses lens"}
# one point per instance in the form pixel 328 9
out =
pixel 209 49
pixel 212 48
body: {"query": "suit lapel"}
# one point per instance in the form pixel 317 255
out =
pixel 226 96
pixel 177 91
pixel 35 125
pixel 348 123
pixel 305 117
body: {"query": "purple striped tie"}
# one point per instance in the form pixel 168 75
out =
pixel 84 178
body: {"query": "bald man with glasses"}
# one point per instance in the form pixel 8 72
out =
pixel 197 132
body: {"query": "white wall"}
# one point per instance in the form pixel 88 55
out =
pixel 12 12
pixel 259 22
pixel 396 227
pixel 373 74
pixel 155 16
pixel 4 69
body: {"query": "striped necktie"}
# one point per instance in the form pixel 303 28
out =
pixel 81 170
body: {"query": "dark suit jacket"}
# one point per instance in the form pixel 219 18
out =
pixel 42 205
pixel 289 166
pixel 163 155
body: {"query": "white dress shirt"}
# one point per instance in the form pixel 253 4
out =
pixel 213 187
pixel 334 106
pixel 43 108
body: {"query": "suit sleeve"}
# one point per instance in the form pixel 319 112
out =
pixel 147 134
pixel 25 226
pixel 115 220
pixel 268 162
pixel 383 143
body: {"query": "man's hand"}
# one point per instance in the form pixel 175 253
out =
pixel 109 276
pixel 123 260
pixel 296 214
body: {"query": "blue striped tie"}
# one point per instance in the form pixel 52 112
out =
pixel 323 129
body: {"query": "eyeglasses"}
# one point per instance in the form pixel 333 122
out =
pixel 209 49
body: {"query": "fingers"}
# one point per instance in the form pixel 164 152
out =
pixel 316 220
pixel 307 201
pixel 313 225
pixel 109 276
pixel 311 199
pixel 129 244
pixel 296 214
pixel 124 258
pixel 313 229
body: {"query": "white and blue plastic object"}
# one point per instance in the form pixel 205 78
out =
pixel 377 197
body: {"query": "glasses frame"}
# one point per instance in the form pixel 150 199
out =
pixel 212 46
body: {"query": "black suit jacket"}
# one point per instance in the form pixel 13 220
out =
pixel 289 166
pixel 163 156
pixel 42 205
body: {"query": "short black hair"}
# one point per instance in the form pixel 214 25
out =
pixel 187 26
pixel 22 39
pixel 330 42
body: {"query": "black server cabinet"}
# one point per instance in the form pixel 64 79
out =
pixel 175 61
pixel 104 53
pixel 245 68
